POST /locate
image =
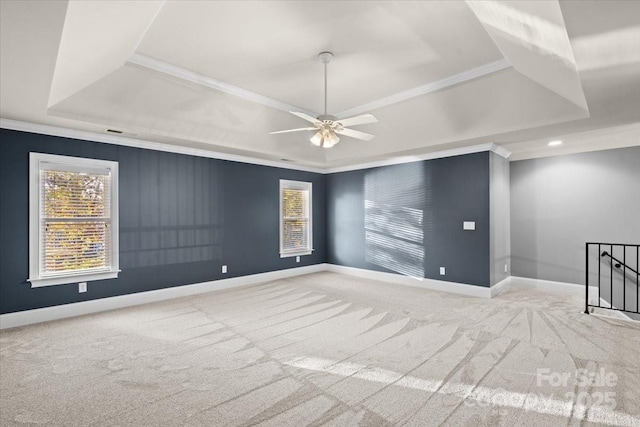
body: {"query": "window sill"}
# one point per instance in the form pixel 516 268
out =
pixel 73 278
pixel 292 254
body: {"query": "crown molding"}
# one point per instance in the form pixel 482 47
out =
pixel 184 74
pixel 501 151
pixel 455 79
pixel 171 148
pixel 149 145
pixel 427 156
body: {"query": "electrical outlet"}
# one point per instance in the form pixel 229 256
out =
pixel 297 259
pixel 442 271
pixel 82 287
pixel 505 268
pixel 224 269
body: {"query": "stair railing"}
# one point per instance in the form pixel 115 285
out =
pixel 630 253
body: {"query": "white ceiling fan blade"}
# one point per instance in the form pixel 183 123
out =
pixel 291 130
pixel 358 120
pixel 356 134
pixel 305 116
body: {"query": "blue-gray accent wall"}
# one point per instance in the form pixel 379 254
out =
pixel 181 218
pixel 456 189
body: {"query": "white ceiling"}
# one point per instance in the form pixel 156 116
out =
pixel 220 75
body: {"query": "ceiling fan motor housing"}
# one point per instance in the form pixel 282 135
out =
pixel 327 118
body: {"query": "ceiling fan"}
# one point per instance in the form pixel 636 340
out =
pixel 328 127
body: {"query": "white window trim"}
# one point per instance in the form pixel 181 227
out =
pixel 299 185
pixel 74 163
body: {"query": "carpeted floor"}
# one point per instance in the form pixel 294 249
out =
pixel 326 349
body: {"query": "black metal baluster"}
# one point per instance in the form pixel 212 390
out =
pixel 611 278
pixel 586 279
pixel 599 274
pixel 624 277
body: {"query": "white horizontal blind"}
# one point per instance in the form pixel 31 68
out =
pixel 75 220
pixel 295 220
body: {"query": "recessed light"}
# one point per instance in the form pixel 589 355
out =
pixel 554 143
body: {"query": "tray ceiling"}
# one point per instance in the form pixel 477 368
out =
pixel 221 75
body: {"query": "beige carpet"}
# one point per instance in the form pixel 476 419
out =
pixel 326 349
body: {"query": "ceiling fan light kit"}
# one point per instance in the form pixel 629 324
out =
pixel 325 138
pixel 328 127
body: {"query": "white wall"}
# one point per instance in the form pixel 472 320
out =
pixel 559 203
pixel 499 218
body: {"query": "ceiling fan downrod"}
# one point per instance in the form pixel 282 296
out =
pixel 325 58
pixel 327 127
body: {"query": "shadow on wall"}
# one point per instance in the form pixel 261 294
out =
pixel 151 246
pixel 396 202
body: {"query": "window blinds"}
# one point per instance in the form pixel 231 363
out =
pixel 75 220
pixel 295 220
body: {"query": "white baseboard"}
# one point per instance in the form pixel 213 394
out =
pixel 548 285
pixel 569 288
pixel 501 286
pixel 610 310
pixel 609 314
pixel 28 317
pixel 432 284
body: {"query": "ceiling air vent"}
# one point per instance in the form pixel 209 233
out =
pixel 114 131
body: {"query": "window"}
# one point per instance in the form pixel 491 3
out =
pixel 73 220
pixel 295 218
